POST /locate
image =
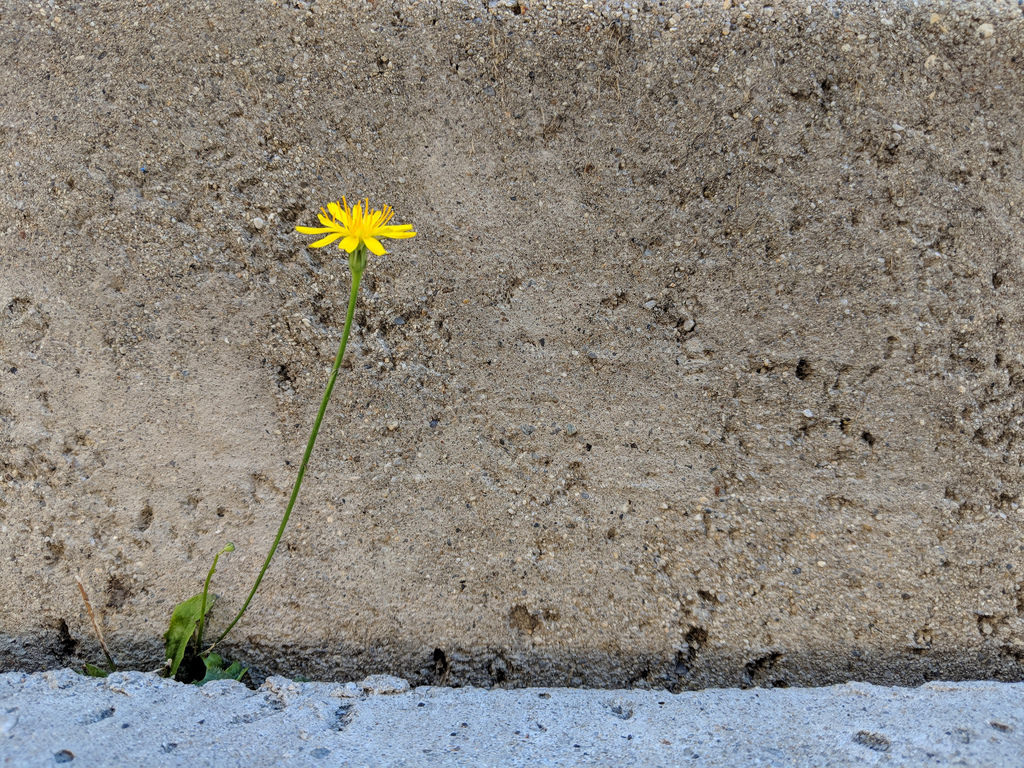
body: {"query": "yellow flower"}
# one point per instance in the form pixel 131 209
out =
pixel 356 226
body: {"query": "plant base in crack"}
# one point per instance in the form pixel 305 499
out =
pixel 185 660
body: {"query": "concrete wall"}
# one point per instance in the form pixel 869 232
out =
pixel 706 366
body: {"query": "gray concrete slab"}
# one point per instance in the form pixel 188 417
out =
pixel 133 718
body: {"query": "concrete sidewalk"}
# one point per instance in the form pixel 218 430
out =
pixel 140 719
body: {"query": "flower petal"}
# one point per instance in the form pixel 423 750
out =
pixel 315 230
pixel 336 211
pixel 325 241
pixel 349 244
pixel 397 232
pixel 374 245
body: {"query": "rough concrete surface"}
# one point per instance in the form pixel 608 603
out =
pixel 706 367
pixel 137 719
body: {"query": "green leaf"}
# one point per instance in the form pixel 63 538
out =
pixel 215 669
pixel 91 670
pixel 183 625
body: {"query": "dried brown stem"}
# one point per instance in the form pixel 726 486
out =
pixel 95 624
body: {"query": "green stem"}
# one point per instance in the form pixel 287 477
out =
pixel 229 547
pixel 356 261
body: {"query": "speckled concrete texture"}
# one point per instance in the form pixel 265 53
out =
pixel 706 367
pixel 135 719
